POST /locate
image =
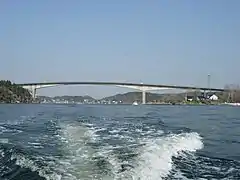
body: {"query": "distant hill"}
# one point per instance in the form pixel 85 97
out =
pixel 125 98
pixel 67 98
pixel 44 97
pixel 74 98
pixel 130 97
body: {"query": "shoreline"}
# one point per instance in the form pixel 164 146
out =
pixel 168 104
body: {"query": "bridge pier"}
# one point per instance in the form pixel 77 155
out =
pixel 34 92
pixel 143 97
pixel 144 89
pixel 33 89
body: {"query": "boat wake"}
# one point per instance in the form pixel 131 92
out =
pixel 89 155
pixel 87 151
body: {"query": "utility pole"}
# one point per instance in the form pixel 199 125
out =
pixel 209 78
pixel 208 81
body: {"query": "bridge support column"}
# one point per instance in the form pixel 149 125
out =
pixel 143 97
pixel 34 92
pixel 143 89
pixel 33 89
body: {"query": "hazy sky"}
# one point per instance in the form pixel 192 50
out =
pixel 159 41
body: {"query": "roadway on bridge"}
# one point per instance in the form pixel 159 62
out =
pixel 121 83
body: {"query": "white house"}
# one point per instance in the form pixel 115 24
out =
pixel 213 97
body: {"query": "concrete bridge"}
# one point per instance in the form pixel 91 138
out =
pixel 32 87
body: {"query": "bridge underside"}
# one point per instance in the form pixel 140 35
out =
pixel 144 89
pixel 33 89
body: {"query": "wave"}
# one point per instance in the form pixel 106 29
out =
pixel 86 151
pixel 155 158
pixel 17 163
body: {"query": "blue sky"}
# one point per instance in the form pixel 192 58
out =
pixel 160 42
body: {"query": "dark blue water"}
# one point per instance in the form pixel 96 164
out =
pixel 119 142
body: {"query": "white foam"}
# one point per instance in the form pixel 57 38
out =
pixel 77 160
pixel 3 140
pixel 155 160
pixel 43 171
pixel 2 153
pixel 70 167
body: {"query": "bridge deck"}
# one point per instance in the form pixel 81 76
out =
pixel 123 83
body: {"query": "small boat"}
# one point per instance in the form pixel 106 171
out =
pixel 135 103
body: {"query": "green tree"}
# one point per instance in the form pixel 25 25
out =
pixel 10 92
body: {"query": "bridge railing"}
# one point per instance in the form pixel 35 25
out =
pixel 122 83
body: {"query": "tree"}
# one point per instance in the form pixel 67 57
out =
pixel 10 92
pixel 233 91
